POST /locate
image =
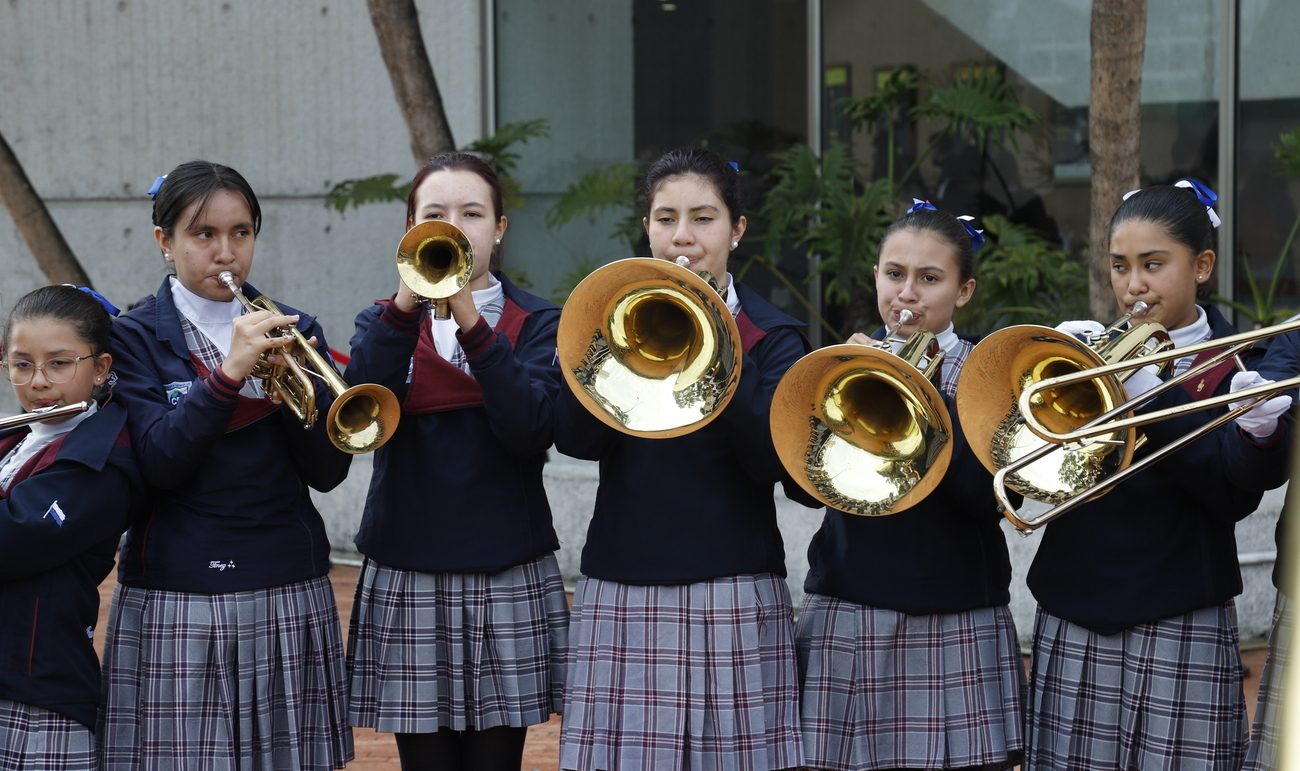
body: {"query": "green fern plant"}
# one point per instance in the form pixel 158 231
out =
pixel 572 279
pixel 1022 279
pixel 601 191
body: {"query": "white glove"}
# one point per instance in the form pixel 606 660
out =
pixel 1080 328
pixel 1142 381
pixel 1261 421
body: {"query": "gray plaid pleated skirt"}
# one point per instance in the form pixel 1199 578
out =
pixel 35 739
pixel 457 650
pixel 1164 695
pixel 244 680
pixel 1261 753
pixel 699 676
pixel 882 689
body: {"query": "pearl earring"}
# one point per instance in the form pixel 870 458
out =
pixel 734 244
pixel 498 242
pixel 1198 278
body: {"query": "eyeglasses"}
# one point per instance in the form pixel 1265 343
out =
pixel 60 370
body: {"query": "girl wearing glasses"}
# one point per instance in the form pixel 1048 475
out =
pixel 68 489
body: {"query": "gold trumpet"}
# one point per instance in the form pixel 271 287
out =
pixel 864 430
pixel 649 347
pixel 361 417
pixel 44 413
pixel 436 260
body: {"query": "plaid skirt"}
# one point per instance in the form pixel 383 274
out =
pixel 35 739
pixel 1261 753
pixel 882 689
pixel 457 650
pixel 700 677
pixel 244 680
pixel 1164 695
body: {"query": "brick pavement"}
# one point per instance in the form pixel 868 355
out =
pixel 377 752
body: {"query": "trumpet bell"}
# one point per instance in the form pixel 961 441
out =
pixel 861 429
pixel 649 348
pixel 362 418
pixel 435 259
pixel 995 373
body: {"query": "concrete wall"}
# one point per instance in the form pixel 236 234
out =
pixel 99 98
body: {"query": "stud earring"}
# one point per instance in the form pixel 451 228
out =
pixel 1198 278
pixel 734 244
pixel 498 242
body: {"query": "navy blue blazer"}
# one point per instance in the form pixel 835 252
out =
pixel 229 509
pixel 60 522
pixel 698 506
pixel 1161 543
pixel 459 488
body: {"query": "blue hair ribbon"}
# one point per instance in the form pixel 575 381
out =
pixel 976 236
pixel 157 185
pixel 108 306
pixel 1203 193
pixel 735 166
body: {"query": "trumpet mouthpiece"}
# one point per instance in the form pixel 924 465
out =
pixel 1139 308
pixel 683 261
pixel 226 277
pixel 905 318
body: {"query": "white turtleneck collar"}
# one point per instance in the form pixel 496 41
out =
pixel 212 317
pixel 733 297
pixel 1193 333
pixel 40 435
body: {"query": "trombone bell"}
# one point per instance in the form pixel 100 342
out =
pixel 995 373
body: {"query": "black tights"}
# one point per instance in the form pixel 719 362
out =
pixel 492 749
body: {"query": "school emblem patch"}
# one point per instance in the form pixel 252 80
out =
pixel 176 390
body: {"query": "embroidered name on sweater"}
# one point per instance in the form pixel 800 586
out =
pixel 219 565
pixel 55 512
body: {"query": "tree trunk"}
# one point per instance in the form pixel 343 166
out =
pixel 1114 131
pixel 397 25
pixel 53 255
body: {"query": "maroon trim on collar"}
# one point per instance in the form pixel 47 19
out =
pixel 437 384
pixel 42 460
pixel 1205 385
pixel 750 333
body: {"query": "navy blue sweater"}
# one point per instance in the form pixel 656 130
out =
pixel 698 506
pixel 229 510
pixel 1162 543
pixel 50 569
pixel 946 554
pixel 459 486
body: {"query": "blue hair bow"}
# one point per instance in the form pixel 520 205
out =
pixel 976 236
pixel 108 306
pixel 735 166
pixel 1204 194
pixel 157 185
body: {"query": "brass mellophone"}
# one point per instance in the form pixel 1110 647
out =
pixel 864 430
